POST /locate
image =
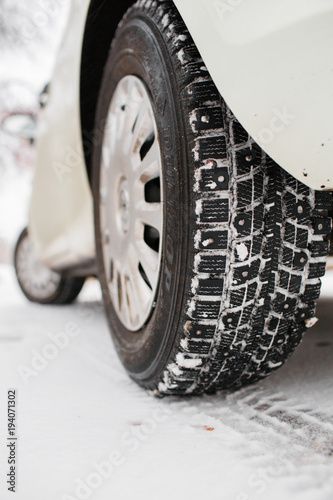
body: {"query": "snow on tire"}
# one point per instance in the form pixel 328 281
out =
pixel 248 241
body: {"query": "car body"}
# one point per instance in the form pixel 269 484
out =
pixel 271 62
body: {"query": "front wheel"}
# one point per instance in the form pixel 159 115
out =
pixel 209 253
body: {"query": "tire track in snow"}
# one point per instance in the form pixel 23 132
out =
pixel 291 430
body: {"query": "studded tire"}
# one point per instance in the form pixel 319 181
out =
pixel 244 243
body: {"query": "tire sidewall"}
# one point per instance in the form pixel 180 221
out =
pixel 145 353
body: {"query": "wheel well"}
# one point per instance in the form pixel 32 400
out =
pixel 102 21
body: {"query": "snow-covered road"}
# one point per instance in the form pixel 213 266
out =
pixel 86 431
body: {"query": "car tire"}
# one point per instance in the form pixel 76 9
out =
pixel 37 282
pixel 243 243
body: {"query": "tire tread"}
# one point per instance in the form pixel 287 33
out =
pixel 258 237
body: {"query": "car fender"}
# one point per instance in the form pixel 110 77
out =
pixel 61 208
pixel 272 63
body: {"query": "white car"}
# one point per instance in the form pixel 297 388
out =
pixel 203 140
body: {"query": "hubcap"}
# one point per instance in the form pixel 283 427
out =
pixel 37 280
pixel 131 204
pixel 124 207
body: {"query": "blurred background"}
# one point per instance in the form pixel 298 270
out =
pixel 30 32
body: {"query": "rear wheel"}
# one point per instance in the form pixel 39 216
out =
pixel 209 253
pixel 39 283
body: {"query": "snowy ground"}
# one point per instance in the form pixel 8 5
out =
pixel 86 431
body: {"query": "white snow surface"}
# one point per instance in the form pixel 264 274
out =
pixel 79 411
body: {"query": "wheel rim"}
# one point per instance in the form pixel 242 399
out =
pixel 131 204
pixel 37 280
